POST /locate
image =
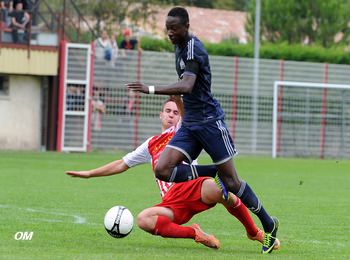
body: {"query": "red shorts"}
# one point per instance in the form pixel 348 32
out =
pixel 184 199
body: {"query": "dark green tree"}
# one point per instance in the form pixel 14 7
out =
pixel 296 21
pixel 238 5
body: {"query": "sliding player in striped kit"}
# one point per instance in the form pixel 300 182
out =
pixel 180 201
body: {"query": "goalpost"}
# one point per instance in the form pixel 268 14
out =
pixel 311 119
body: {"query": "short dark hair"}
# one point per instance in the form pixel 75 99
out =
pixel 181 13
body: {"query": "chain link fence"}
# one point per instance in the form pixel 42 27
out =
pixel 123 120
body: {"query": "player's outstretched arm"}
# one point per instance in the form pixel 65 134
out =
pixel 112 168
pixel 184 86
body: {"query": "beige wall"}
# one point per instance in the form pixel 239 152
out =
pixel 20 114
pixel 40 62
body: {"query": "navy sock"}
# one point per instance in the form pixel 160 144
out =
pixel 252 202
pixel 185 172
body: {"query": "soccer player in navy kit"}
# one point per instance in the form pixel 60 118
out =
pixel 203 125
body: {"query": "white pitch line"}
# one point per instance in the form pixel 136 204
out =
pixel 77 219
pixel 48 220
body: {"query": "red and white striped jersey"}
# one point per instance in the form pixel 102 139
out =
pixel 150 151
pixel 155 147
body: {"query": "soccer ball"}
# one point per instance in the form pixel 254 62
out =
pixel 118 221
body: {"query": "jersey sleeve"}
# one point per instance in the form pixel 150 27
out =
pixel 140 155
pixel 192 67
pixel 194 57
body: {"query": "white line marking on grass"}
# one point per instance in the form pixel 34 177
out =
pixel 77 219
pixel 47 220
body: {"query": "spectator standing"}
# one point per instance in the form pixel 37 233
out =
pixel 103 48
pixel 114 46
pixel 19 21
pixel 6 7
pixel 115 49
pixel 98 108
pixel 129 43
pixel 26 5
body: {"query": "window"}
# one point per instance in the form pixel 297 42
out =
pixel 4 85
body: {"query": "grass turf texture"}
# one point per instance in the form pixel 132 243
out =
pixel 309 196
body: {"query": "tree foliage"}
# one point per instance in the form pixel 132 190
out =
pixel 218 4
pixel 238 5
pixel 297 21
pixel 112 13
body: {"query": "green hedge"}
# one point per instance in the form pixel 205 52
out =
pixel 150 44
pixel 336 55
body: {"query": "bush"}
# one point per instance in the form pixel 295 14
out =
pixel 280 51
pixel 151 44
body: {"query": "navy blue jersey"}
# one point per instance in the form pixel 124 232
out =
pixel 200 105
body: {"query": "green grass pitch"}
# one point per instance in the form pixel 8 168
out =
pixel 65 214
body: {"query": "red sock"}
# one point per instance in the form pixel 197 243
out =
pixel 242 214
pixel 165 228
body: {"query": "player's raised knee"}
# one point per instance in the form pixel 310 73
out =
pixel 210 192
pixel 143 222
pixel 162 172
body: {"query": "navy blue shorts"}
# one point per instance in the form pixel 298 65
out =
pixel 213 137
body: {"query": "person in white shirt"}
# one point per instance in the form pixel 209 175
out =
pixel 103 47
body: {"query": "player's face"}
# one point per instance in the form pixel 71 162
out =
pixel 170 115
pixel 176 30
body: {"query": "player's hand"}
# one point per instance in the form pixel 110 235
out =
pixel 137 87
pixel 81 174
